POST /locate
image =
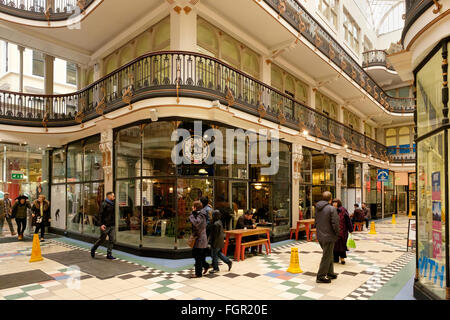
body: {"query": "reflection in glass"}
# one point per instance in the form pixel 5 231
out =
pixel 128 222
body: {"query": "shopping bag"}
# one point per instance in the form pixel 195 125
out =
pixel 350 242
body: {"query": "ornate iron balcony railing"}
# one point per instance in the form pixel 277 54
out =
pixel 299 18
pixel 44 10
pixel 376 58
pixel 402 155
pixel 414 9
pixel 180 74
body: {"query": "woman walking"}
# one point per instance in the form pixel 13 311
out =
pixel 198 220
pixel 19 212
pixel 216 238
pixel 345 226
pixel 41 215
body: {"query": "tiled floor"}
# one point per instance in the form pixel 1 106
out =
pixel 375 262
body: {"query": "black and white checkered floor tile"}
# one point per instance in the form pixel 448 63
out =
pixel 378 280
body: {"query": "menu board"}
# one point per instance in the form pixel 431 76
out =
pixel 411 241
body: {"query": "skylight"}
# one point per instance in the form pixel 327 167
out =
pixel 384 15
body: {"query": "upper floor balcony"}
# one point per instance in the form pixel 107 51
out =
pixel 402 154
pixel 376 58
pixel 180 74
pixel 309 28
pixel 414 9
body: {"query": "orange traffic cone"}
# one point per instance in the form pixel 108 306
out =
pixel 36 254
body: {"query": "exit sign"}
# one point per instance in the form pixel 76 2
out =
pixel 17 175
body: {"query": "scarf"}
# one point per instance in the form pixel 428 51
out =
pixel 109 202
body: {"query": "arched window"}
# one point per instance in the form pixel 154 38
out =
pixel 367 130
pixel 277 78
pixel 404 137
pixel 250 63
pixel 207 38
pixel 161 36
pixel 230 51
pixel 391 137
pixel 143 44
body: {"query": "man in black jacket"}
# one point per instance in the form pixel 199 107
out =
pixel 327 225
pixel 107 228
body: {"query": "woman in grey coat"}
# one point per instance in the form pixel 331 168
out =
pixel 198 220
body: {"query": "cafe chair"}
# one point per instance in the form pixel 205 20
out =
pixel 300 227
pixel 358 225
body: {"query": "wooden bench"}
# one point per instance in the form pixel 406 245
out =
pixel 258 243
pixel 300 227
pixel 358 225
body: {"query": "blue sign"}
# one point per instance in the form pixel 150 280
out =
pixel 383 175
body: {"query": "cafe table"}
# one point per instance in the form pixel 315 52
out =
pixel 238 234
pixel 307 223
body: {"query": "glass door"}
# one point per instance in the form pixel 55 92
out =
pixel 402 205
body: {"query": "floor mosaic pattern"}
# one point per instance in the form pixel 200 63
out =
pixel 375 261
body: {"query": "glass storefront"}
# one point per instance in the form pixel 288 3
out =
pixel 390 203
pixel 77 186
pixel 432 178
pixel 23 170
pixel 351 184
pixel 373 187
pixel 155 196
pixel 412 193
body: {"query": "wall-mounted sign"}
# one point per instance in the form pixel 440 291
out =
pixel 383 175
pixel 16 175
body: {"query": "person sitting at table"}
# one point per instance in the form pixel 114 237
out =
pixel 358 214
pixel 245 221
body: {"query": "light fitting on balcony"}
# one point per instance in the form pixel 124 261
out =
pixel 305 132
pixel 154 115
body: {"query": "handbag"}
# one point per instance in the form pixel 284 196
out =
pixel 350 242
pixel 191 241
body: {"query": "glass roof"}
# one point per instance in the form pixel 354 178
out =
pixel 384 15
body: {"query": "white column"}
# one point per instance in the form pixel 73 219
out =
pixel 341 114
pixel 297 159
pixel 48 74
pixel 311 97
pixel 21 50
pixel 338 173
pixel 365 174
pixel 183 26
pixel 266 70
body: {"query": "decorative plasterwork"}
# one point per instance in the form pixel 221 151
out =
pixel 106 146
pixel 297 160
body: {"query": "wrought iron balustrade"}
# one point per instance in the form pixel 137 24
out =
pixel 415 8
pixel 299 18
pixel 180 74
pixel 44 10
pixel 376 58
pixel 402 155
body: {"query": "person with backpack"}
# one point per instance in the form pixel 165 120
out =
pixel 107 222
pixel 327 225
pixel 216 239
pixel 41 215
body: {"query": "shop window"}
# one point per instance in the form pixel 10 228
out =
pixel 391 137
pixel 59 166
pixel 207 38
pixel 429 95
pixel 404 139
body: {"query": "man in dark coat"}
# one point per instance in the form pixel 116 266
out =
pixel 107 225
pixel 327 224
pixel 358 214
pixel 216 238
pixel 367 215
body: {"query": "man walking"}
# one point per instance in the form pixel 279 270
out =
pixel 5 213
pixel 327 225
pixel 107 227
pixel 367 215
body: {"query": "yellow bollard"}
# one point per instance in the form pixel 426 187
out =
pixel 294 266
pixel 372 228
pixel 36 254
pixel 410 214
pixel 393 219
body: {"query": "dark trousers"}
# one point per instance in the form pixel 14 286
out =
pixel 367 222
pixel 9 221
pixel 111 233
pixel 216 253
pixel 326 264
pixel 339 254
pixel 21 225
pixel 200 260
pixel 41 227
